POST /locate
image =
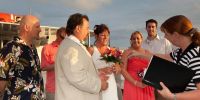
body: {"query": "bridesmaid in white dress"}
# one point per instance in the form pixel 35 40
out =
pixel 100 47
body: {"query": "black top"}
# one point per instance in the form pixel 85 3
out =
pixel 189 58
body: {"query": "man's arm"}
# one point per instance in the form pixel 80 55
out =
pixel 48 68
pixel 2 87
pixel 45 66
pixel 5 64
pixel 77 71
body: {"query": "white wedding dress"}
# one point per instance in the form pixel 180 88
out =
pixel 111 92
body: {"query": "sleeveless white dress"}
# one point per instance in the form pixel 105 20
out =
pixel 111 92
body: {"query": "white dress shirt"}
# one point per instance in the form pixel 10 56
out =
pixel 157 45
pixel 72 37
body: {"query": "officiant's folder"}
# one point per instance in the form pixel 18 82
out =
pixel 174 76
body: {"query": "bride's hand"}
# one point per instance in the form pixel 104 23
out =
pixel 106 70
pixel 116 68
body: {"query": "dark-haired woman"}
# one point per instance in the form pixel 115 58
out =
pixel 100 47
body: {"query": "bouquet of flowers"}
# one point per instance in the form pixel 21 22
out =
pixel 112 55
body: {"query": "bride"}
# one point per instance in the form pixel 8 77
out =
pixel 101 45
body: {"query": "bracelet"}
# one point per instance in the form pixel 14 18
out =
pixel 174 96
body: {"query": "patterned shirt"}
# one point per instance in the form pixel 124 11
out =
pixel 20 67
pixel 190 58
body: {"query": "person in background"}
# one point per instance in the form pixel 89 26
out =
pixel 20 73
pixel 153 42
pixel 132 71
pixel 48 62
pixel 100 47
pixel 76 75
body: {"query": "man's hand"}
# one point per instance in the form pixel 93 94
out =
pixel 104 78
pixel 106 70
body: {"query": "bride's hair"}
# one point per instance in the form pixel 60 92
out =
pixel 98 29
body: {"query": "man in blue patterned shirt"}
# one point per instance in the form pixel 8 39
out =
pixel 20 75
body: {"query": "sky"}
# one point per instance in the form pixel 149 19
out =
pixel 121 16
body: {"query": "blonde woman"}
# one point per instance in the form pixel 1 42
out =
pixel 132 71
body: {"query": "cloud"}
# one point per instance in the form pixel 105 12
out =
pixel 87 5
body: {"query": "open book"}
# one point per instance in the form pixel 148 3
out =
pixel 174 76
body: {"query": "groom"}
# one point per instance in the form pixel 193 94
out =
pixel 76 76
